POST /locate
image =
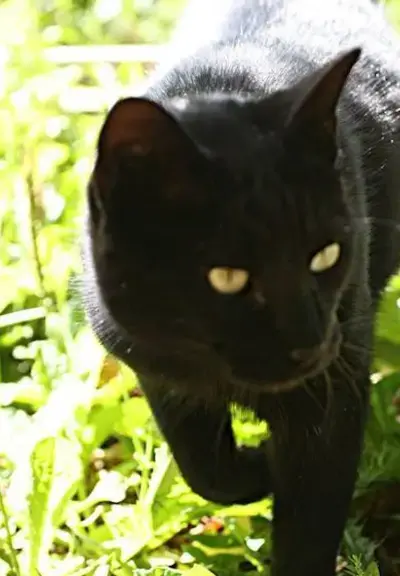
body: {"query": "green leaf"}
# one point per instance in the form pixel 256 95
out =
pixel 389 317
pixel 198 571
pixel 162 479
pixel 382 396
pixel 102 421
pixel 387 354
pixel 135 415
pixel 21 316
pixel 25 392
pixel 111 487
pixel 164 572
pixel 56 471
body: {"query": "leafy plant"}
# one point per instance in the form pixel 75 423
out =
pixel 87 484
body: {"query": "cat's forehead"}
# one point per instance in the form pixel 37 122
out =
pixel 222 125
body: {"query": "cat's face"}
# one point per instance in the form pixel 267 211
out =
pixel 221 233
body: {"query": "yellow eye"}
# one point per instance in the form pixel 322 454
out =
pixel 228 280
pixel 326 258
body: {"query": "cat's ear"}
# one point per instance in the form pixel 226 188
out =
pixel 141 136
pixel 315 107
pixel 141 127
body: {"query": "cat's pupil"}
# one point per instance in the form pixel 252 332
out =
pixel 325 258
pixel 228 280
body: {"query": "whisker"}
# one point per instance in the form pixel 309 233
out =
pixel 363 349
pixel 329 394
pixel 379 221
pixel 349 375
pixel 307 388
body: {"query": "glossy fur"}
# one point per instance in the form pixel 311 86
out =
pixel 271 139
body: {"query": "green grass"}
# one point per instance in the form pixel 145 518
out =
pixel 87 485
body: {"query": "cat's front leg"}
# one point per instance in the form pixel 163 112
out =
pixel 316 452
pixel 201 440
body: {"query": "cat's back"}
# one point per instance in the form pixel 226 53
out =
pixel 274 41
pixel 229 22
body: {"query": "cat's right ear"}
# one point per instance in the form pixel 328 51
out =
pixel 314 110
pixel 143 133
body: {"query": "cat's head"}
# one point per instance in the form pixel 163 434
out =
pixel 221 231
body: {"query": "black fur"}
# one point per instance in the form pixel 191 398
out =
pixel 270 140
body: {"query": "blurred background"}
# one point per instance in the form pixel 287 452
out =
pixel 87 486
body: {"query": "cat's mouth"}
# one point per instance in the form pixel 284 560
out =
pixel 300 376
pixel 323 361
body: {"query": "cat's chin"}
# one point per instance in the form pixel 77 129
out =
pixel 288 385
pixel 267 387
pixel 285 386
pixel 282 386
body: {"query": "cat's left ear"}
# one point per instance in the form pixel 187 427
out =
pixel 142 134
pixel 315 107
pixel 141 126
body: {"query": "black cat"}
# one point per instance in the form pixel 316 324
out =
pixel 242 223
